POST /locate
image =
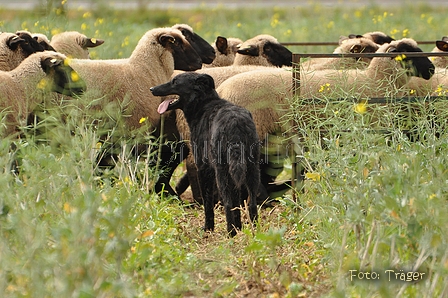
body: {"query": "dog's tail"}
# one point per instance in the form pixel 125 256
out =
pixel 237 163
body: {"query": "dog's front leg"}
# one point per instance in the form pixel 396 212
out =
pixel 207 181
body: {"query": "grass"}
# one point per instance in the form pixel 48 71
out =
pixel 371 202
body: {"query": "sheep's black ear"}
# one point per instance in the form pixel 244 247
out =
pixel 381 39
pixel 92 42
pixel 49 63
pixel 249 50
pixel 186 33
pixel 354 36
pixel 206 81
pixel 221 44
pixel 277 54
pixel 442 45
pixel 14 42
pixel 166 39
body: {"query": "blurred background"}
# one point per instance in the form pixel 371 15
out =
pixel 188 4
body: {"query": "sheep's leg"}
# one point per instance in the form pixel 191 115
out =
pixel 171 157
pixel 182 184
pixel 207 182
pixel 192 172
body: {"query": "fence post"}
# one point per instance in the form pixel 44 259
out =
pixel 296 92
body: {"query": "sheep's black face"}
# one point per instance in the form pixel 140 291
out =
pixel 31 45
pixel 277 54
pixel 191 89
pixel 200 45
pixel 417 66
pixel 15 42
pixel 64 78
pixel 185 56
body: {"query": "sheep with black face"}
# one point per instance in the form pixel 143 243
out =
pixel 22 88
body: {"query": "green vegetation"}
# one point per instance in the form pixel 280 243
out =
pixel 371 202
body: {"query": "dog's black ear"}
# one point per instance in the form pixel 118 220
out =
pixel 206 81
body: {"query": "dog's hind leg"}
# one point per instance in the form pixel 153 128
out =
pixel 207 182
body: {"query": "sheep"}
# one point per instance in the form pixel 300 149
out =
pixel 40 38
pixel 225 49
pixel 421 87
pixel 346 45
pixel 154 59
pixel 74 44
pixel 123 84
pixel 263 50
pixel 14 49
pixel 377 37
pixel 383 77
pixel 21 88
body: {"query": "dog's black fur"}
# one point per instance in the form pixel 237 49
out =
pixel 225 145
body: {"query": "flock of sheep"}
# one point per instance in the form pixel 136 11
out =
pixel 255 74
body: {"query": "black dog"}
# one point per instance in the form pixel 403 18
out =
pixel 224 142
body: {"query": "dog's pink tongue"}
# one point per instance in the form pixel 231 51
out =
pixel 163 106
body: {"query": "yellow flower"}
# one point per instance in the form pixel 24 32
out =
pixel 360 107
pixel 313 176
pixel 42 84
pixel 74 76
pixel 143 119
pixel 288 32
pixel 55 31
pixel 86 15
pixel 274 20
pixel 69 208
pixel 125 42
pixel 83 26
pixel 67 61
pixel 441 91
pixel 405 32
pixel 400 57
pixel 98 22
pixel 24 26
pixel 325 87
